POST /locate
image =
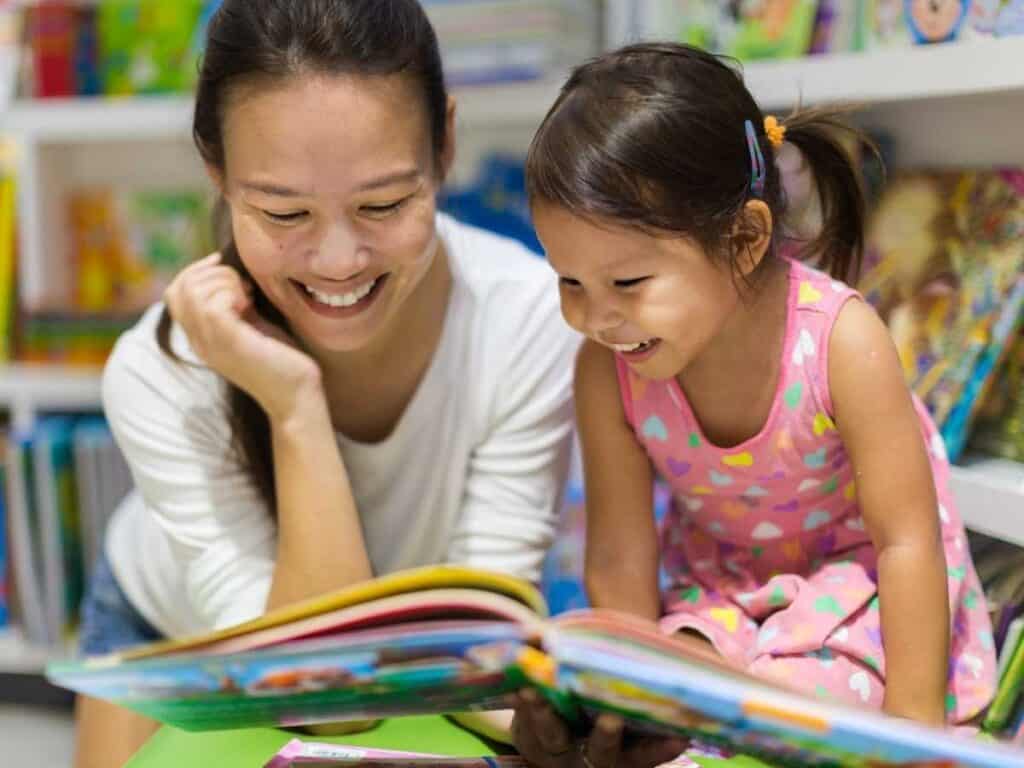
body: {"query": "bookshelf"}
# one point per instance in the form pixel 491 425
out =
pixel 897 75
pixel 949 105
pixel 990 494
pixel 26 390
pixel 84 120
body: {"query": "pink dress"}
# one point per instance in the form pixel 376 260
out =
pixel 764 546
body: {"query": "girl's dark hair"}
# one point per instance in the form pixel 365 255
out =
pixel 653 135
pixel 252 41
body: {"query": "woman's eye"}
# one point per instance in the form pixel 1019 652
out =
pixel 631 282
pixel 383 210
pixel 284 218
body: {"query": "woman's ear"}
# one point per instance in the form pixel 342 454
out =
pixel 216 176
pixel 751 236
pixel 448 153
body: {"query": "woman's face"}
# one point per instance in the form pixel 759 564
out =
pixel 331 182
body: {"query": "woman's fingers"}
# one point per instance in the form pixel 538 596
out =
pixel 208 302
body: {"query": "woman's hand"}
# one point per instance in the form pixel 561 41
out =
pixel 544 740
pixel 213 304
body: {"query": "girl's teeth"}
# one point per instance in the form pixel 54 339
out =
pixel 342 299
pixel 631 347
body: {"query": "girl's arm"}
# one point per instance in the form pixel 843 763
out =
pixel 622 557
pixel 896 491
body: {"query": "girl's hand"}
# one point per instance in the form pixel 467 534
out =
pixel 544 740
pixel 214 306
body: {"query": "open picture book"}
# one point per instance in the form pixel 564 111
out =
pixel 451 639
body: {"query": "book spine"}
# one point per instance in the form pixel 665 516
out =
pixel 24 543
pixel 86 52
pixel 51 39
pixel 7 265
pixel 1009 691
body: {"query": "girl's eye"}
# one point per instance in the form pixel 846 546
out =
pixel 284 218
pixel 569 282
pixel 383 210
pixel 631 282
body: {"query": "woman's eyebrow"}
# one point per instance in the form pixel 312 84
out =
pixel 391 178
pixel 272 189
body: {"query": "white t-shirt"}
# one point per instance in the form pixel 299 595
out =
pixel 473 473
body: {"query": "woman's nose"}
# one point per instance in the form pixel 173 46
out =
pixel 340 254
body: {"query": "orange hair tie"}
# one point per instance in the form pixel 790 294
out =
pixel 775 131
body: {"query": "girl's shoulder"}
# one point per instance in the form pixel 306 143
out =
pixel 816 288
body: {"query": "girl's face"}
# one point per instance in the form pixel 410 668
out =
pixel 331 183
pixel 657 301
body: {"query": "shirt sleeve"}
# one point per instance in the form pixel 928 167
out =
pixel 517 473
pixel 169 420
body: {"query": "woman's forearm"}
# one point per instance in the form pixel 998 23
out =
pixel 320 539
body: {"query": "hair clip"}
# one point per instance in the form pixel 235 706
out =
pixel 757 166
pixel 774 130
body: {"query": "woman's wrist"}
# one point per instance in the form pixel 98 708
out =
pixel 299 411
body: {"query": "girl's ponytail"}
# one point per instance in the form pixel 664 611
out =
pixel 817 134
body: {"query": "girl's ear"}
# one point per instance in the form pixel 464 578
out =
pixel 751 236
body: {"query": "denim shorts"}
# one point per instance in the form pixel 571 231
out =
pixel 109 622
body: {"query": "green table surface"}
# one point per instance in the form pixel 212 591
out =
pixel 252 748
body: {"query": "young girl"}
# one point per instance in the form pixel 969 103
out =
pixel 356 384
pixel 813 538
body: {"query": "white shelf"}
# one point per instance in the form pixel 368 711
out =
pixel 19 658
pixel 968 68
pixel 81 120
pixel 27 389
pixel 84 120
pixel 990 495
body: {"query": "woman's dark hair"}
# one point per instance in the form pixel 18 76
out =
pixel 653 136
pixel 254 41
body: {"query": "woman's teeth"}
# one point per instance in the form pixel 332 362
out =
pixel 342 299
pixel 633 347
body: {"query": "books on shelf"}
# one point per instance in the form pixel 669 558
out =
pixel 450 639
pixel 63 479
pixel 495 41
pixel 785 30
pixel 119 47
pixel 944 260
